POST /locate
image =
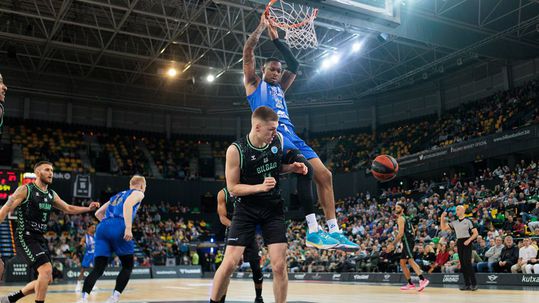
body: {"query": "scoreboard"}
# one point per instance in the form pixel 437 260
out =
pixel 9 181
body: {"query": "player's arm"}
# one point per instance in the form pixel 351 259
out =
pixel 100 213
pixel 296 168
pixel 134 198
pixel 60 204
pixel 13 201
pixel 250 79
pixel 292 64
pixel 232 175
pixel 400 222
pixel 221 209
pixel 443 222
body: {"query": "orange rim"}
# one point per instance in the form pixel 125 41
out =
pixel 274 22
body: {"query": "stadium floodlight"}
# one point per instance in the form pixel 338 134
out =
pixel 172 72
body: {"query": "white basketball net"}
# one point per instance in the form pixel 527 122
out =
pixel 297 21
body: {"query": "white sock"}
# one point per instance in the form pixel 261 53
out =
pixel 116 294
pixel 85 295
pixel 333 226
pixel 312 223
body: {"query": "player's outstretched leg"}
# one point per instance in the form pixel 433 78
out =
pixel 221 278
pixel 324 186
pixel 15 296
pixel 123 278
pixel 406 272
pixel 423 282
pixel 316 236
pixel 100 264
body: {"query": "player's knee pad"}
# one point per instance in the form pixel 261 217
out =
pixel 295 155
pixel 127 262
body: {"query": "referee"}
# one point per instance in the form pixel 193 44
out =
pixel 466 234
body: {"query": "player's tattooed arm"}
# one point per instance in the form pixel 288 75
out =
pixel 13 201
pixel 60 204
pixel 249 64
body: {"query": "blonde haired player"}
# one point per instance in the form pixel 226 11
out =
pixel 114 235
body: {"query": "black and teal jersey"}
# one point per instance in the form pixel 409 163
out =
pixel 34 212
pixel 256 164
pixel 408 228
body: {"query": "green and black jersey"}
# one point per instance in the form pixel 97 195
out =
pixel 408 227
pixel 258 163
pixel 33 214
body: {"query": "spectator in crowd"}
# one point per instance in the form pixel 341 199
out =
pixel 508 257
pixel 453 264
pixel 493 255
pixel 441 258
pixel 525 254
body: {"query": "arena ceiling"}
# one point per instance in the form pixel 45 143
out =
pixel 119 50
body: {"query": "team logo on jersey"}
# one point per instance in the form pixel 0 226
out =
pixel 266 160
pixel 253 157
pixel 274 149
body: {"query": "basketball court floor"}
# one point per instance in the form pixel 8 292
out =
pixel 197 291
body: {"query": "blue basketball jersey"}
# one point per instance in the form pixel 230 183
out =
pixel 271 96
pixel 116 206
pixel 90 244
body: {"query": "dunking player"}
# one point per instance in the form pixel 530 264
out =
pixel 406 235
pixel 225 209
pixel 3 91
pixel 114 235
pixel 34 203
pixel 88 243
pixel 270 91
pixel 253 165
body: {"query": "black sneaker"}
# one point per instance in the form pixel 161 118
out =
pixel 259 300
pixel 474 288
pixel 465 288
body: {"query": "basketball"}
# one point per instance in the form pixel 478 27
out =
pixel 384 168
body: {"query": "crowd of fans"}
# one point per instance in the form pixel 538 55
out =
pixel 503 203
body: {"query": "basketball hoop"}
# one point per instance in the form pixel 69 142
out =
pixel 296 20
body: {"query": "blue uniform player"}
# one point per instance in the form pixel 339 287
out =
pixel 270 91
pixel 88 243
pixel 114 235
